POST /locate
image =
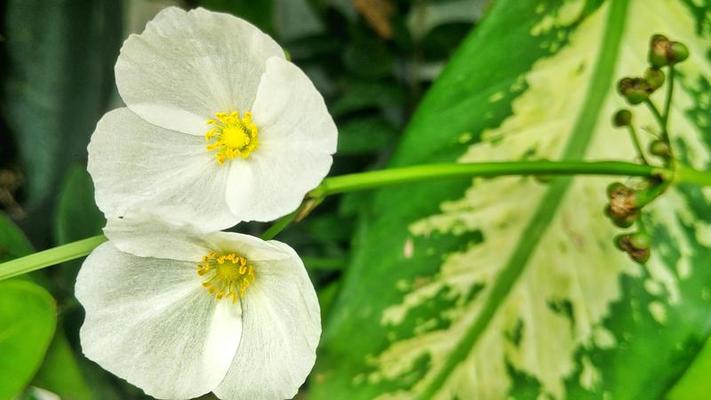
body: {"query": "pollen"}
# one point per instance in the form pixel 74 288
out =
pixel 231 136
pixel 227 275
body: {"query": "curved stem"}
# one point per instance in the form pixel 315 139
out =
pixel 376 179
pixel 659 117
pixel 637 144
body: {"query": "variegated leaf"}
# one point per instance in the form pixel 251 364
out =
pixel 511 287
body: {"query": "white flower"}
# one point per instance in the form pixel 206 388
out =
pixel 181 315
pixel 220 127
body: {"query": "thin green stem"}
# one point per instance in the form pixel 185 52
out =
pixel 278 226
pixel 659 117
pixel 647 196
pixel 376 179
pixel 393 176
pixel 386 177
pixel 636 142
pixel 667 110
pixel 50 257
pixel 668 101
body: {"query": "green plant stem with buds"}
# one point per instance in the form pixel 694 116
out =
pixel 376 179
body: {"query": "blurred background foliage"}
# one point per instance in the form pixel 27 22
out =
pixel 371 59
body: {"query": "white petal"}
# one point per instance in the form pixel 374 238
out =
pixel 186 66
pixel 145 235
pixel 138 166
pixel 296 139
pixel 251 247
pixel 281 330
pixel 151 322
pixel 290 112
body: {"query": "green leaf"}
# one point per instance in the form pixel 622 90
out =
pixel 60 373
pixel 59 76
pixel 509 287
pixel 362 95
pixel 27 320
pixel 13 243
pixel 77 216
pixel 365 135
pixel 695 383
pixel 367 55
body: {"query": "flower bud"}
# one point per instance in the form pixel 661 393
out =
pixel 635 90
pixel 623 201
pixel 624 222
pixel 677 52
pixel 625 84
pixel 614 187
pixel 637 245
pixel 640 240
pixel 622 118
pixel 654 77
pixel 658 51
pixel 660 148
pixel 637 96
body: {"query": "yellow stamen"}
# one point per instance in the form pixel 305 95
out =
pixel 231 136
pixel 227 275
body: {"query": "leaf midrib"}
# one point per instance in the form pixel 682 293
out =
pixel 575 149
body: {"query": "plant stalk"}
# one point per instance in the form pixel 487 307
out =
pixel 387 177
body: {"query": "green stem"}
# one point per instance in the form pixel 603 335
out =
pixel 50 257
pixel 376 179
pixel 667 110
pixel 278 226
pixel 685 174
pixel 394 176
pixel 386 177
pixel 637 144
pixel 668 102
pixel 659 117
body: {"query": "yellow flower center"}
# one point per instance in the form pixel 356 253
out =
pixel 227 275
pixel 230 136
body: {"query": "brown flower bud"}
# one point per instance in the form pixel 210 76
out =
pixel 623 202
pixel 654 77
pixel 637 245
pixel 659 51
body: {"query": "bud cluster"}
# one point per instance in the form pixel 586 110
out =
pixel 662 53
pixel 625 204
pixel 624 209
